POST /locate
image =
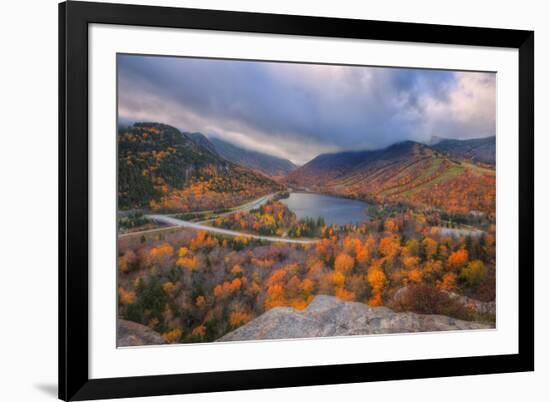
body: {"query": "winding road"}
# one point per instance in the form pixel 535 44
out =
pixel 175 222
pixel 242 208
pixel 200 226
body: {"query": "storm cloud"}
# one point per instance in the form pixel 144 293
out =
pixel 298 111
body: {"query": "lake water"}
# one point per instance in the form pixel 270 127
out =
pixel 335 210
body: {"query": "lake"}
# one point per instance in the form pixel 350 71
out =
pixel 335 210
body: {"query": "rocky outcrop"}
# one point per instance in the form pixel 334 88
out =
pixel 479 307
pixel 329 316
pixel 133 334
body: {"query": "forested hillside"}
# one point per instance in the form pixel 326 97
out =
pixel 161 168
pixel 407 172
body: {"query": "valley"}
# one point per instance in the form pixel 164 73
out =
pixel 208 243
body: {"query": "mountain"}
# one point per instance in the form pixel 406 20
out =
pixel 267 164
pixel 476 150
pixel 407 172
pixel 161 168
pixel 203 141
pixel 330 316
pixel 327 167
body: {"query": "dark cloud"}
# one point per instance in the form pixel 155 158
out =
pixel 297 110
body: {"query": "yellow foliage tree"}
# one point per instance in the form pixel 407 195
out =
pixel 168 287
pixel 474 273
pixel 430 246
pixel 199 301
pixel 191 263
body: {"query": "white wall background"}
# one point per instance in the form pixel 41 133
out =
pixel 28 200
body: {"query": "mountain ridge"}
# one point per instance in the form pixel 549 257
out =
pixel 163 168
pixel 409 172
pixel 268 164
pixel 202 140
pixel 475 149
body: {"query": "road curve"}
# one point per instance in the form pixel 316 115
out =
pixel 242 208
pixel 199 226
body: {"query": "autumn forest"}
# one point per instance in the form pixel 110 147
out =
pixel 215 231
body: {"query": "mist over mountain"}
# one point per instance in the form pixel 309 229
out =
pixel 267 164
pixel 307 109
pixel 477 149
pixel 201 139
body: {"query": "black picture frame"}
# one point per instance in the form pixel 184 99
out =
pixel 74 19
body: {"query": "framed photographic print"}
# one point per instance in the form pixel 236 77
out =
pixel 257 200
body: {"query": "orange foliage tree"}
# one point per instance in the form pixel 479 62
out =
pixel 344 263
pixel 390 247
pixel 377 281
pixel 458 259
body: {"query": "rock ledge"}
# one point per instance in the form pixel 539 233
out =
pixel 133 334
pixel 329 316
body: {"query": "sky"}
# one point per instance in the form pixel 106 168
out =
pixel 298 111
